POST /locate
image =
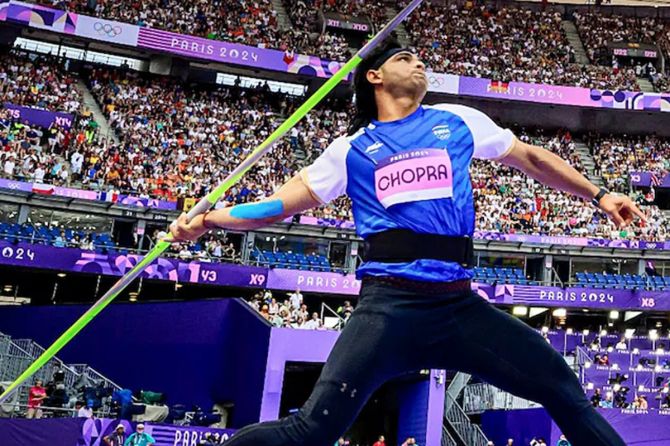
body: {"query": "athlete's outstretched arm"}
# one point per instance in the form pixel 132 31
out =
pixel 292 198
pixel 551 170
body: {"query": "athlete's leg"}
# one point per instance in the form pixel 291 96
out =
pixel 366 354
pixel 510 355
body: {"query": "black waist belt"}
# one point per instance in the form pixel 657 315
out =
pixel 404 246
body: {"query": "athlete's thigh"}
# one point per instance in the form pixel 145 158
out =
pixel 507 353
pixel 369 351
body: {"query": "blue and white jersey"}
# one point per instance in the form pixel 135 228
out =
pixel 413 174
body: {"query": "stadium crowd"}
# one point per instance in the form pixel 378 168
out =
pixel 503 43
pixel 38 82
pixel 293 312
pixel 617 156
pixel 180 141
pixel 508 202
pixel 506 44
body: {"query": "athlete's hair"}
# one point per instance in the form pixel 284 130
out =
pixel 366 106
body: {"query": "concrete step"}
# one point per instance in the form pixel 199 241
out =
pixel 645 85
pixel 105 131
pixel 575 41
pixel 283 20
pixel 401 32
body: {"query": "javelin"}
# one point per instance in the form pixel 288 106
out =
pixel 210 199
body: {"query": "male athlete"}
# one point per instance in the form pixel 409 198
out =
pixel 405 167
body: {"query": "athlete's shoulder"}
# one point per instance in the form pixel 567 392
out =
pixel 460 110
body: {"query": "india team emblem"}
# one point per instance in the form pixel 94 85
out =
pixel 442 132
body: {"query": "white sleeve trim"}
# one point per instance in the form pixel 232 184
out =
pixel 491 141
pixel 327 176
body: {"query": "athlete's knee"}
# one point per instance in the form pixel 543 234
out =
pixel 562 389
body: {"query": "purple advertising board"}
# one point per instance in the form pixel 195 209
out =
pixel 48 189
pixel 312 281
pixel 646 179
pixel 571 241
pixel 113 264
pixel 90 432
pixel 39 117
pixel 225 274
pixel 111 31
pixel 543 296
pixel 563 95
pixel 226 52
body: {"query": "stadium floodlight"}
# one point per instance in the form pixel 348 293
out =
pixel 213 197
pixel 520 311
pixel 560 312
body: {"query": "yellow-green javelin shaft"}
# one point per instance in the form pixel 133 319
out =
pixel 211 198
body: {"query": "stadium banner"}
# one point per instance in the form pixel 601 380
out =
pixel 114 264
pixel 647 179
pixel 226 274
pixel 144 202
pixel 563 95
pixel 341 21
pixel 91 431
pixel 572 241
pixel 543 296
pixel 40 17
pixel 443 83
pixel 38 116
pixel 234 53
pixel 48 189
pixel 109 31
pixel 312 281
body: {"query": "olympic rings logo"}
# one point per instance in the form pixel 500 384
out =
pixel 435 80
pixel 107 29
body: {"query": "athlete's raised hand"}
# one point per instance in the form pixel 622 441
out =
pixel 620 209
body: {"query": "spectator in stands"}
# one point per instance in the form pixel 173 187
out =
pixel 510 442
pixel 116 438
pixel 608 402
pixel 641 403
pixel 621 345
pixel 380 441
pixel 596 398
pixel 83 410
pixel 36 396
pixel 314 323
pixel 265 312
pixel 140 438
pixel 296 300
pixel 562 441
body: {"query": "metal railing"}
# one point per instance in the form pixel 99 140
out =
pixel 447 439
pixel 457 384
pixel 17 355
pixel 468 433
pixel 481 397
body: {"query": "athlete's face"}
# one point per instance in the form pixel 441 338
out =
pixel 402 75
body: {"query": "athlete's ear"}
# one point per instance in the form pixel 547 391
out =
pixel 374 77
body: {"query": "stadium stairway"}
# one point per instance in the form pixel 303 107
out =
pixel 106 130
pixel 283 21
pixel 400 31
pixel 457 428
pixel 588 162
pixel 574 40
pixel 17 354
pixel 645 85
